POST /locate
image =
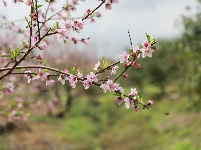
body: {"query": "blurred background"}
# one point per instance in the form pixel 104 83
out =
pixel 69 119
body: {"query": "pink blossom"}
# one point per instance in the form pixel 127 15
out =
pixel 61 33
pixel 28 2
pixel 114 69
pixel 49 81
pixel 97 66
pixel 35 38
pixel 136 65
pixel 84 41
pixel 74 39
pixel 119 89
pixel 79 75
pixel 78 25
pixel 108 6
pixel 4 3
pixel 10 86
pixel 133 92
pixel 147 52
pixel 92 77
pixel 150 103
pixel 124 57
pixel 112 1
pixel 135 108
pixel 43 46
pixel 63 78
pixel 87 84
pixel 52 7
pixel 127 102
pixel 73 80
pixel 146 44
pixel 67 25
pixel 110 86
pixel 104 86
pixel 128 63
pixel 119 100
pixel 28 75
pixel 88 11
pixel 135 50
pixel 42 75
pixel 125 75
pixel 24 118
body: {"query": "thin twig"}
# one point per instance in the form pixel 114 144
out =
pixel 130 39
pixel 94 10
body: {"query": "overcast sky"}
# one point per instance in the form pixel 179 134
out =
pixel 109 33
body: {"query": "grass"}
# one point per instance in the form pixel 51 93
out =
pixel 108 126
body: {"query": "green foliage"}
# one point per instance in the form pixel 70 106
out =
pixel 13 53
pixel 105 63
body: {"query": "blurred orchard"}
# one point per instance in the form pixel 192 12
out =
pixel 53 95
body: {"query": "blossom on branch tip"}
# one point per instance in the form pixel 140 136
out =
pixel 97 66
pixel 84 41
pixel 150 103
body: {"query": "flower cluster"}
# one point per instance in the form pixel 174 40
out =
pixel 41 74
pixel 64 30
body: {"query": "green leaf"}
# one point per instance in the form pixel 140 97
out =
pixel 117 94
pixel 57 25
pixel 8 56
pixel 148 37
pixel 65 41
pixel 39 6
pixel 27 21
pixel 105 63
pixel 139 95
pixel 24 44
pixel 153 41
